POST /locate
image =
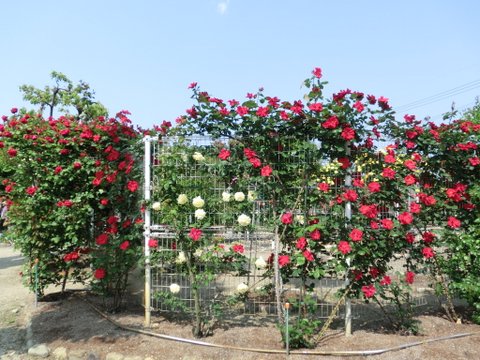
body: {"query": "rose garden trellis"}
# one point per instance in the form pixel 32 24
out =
pixel 258 244
pixel 231 176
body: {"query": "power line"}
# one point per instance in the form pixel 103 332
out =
pixel 440 96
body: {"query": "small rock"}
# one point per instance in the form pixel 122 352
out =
pixel 93 356
pixel 76 355
pixel 40 350
pixel 60 353
pixel 149 358
pixel 114 356
pixel 15 311
pixel 135 357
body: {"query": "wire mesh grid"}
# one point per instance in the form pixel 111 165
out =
pixel 172 161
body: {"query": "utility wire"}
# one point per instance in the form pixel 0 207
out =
pixel 440 96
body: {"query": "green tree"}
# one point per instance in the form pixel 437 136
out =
pixel 65 96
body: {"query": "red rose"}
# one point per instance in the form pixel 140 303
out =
pixel 125 245
pixel 77 165
pixel 415 208
pixel 317 72
pixel 390 159
pixel 104 202
pixel 374 186
pixel 323 186
pixel 195 234
pixel 409 277
pixel 315 235
pixel 283 260
pixel 266 171
pixel 102 239
pixel 386 280
pixel 348 134
pixel 453 222
pixel 256 163
pixel 345 162
pixel 308 255
pixel 410 237
pixel 31 190
pixel 368 290
pixel 152 243
pixel 301 243
pixel 387 224
pixel 358 106
pixel 286 218
pixel 331 123
pixel 428 252
pixel 405 218
pixel 388 173
pixel 369 211
pixel 410 179
pixel 317 107
pixel 428 237
pixel 224 154
pixel 474 161
pixel 132 185
pixel 238 248
pixel 242 110
pixel 410 164
pixel 350 195
pixel 12 152
pixel 344 247
pixel 262 111
pixel 99 274
pixel 356 235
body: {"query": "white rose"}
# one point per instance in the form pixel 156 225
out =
pixel 198 253
pixel 252 195
pixel 242 288
pixel 260 263
pixel 198 202
pixel 226 196
pixel 198 156
pixel 182 199
pixel 156 206
pixel 200 214
pixel 181 259
pixel 244 220
pixel 239 196
pixel 174 288
pixel 300 219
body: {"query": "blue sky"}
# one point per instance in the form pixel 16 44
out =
pixel 142 55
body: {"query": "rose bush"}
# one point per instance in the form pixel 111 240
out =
pixel 73 199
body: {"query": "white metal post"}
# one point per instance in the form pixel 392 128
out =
pixel 348 217
pixel 147 188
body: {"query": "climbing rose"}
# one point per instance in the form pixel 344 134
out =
pixel 315 235
pixel 266 171
pixel 287 218
pixel 387 224
pixel 453 222
pixel 368 290
pixel 102 239
pixel 238 248
pixel 308 255
pixel 317 72
pixel 370 211
pixel 356 235
pixel 132 185
pixel 405 218
pixel 428 252
pixel 224 154
pixel 350 195
pixel 152 243
pixel 331 123
pixel 348 134
pixel 386 280
pixel 344 247
pixel 301 243
pixel 125 245
pixel 374 187
pixel 388 173
pixel 32 190
pixel 323 186
pixel 283 260
pixel 195 234
pixel 99 273
pixel 409 277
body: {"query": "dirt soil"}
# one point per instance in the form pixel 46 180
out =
pixel 70 321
